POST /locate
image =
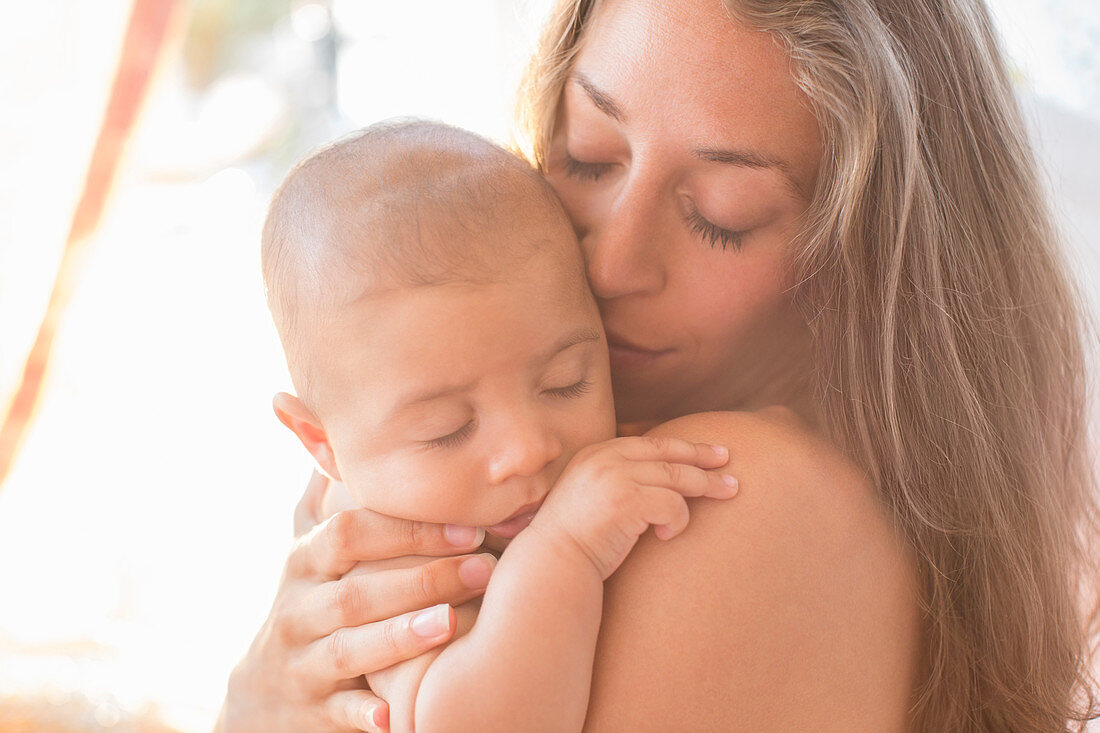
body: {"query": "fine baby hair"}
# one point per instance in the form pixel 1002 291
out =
pixel 402 203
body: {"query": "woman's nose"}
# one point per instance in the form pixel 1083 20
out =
pixel 622 247
pixel 527 448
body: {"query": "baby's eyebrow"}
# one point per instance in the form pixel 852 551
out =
pixel 428 395
pixel 581 335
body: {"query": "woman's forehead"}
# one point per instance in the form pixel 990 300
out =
pixel 687 70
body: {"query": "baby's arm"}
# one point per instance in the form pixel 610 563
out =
pixel 527 663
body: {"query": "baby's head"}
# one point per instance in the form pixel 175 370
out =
pixel 430 295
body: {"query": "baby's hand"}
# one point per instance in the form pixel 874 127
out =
pixel 611 492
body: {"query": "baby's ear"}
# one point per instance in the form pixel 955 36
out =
pixel 303 423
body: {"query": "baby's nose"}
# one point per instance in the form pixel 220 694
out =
pixel 525 453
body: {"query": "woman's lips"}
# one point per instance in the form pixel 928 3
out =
pixel 626 355
pixel 515 524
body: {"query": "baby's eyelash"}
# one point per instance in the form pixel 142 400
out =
pixel 714 235
pixel 573 390
pixel 453 439
pixel 584 171
pixel 457 437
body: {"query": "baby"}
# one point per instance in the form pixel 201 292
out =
pixel 450 367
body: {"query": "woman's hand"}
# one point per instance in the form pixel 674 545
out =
pixel 303 670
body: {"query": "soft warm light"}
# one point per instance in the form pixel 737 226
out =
pixel 143 530
pixel 310 21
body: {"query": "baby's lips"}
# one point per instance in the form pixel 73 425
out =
pixel 508 530
pixel 515 524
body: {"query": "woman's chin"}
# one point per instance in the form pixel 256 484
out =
pixel 640 405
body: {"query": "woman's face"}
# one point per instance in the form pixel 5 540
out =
pixel 685 156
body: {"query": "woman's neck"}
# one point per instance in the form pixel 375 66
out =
pixel 780 374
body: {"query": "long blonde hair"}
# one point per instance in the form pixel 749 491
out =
pixel 948 338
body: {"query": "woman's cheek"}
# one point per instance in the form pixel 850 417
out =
pixel 581 205
pixel 748 292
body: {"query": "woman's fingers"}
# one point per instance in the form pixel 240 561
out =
pixel 358 710
pixel 355 600
pixel 684 479
pixel 351 651
pixel 345 538
pixel 307 514
pixel 674 450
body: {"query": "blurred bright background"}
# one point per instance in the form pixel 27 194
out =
pixel 144 524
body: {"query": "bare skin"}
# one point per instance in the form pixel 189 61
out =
pixel 325 629
pixel 686 157
pixel 792 608
pixel 795 607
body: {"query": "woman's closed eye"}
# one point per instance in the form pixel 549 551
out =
pixel 712 233
pixel 452 439
pixel 583 171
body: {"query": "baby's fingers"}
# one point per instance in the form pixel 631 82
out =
pixel 684 479
pixel 666 511
pixel 673 450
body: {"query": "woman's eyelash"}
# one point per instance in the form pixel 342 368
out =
pixel 714 235
pixel 573 390
pixel 584 171
pixel 453 439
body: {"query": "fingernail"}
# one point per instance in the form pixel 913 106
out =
pixel 461 536
pixel 730 482
pixel 433 622
pixel 475 571
pixel 380 717
pixel 721 451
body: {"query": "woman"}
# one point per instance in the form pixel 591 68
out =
pixel 820 221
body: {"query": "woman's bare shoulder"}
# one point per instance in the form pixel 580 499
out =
pixel 793 606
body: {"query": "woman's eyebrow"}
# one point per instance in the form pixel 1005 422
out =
pixel 752 159
pixel 747 158
pixel 602 101
pixel 599 98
